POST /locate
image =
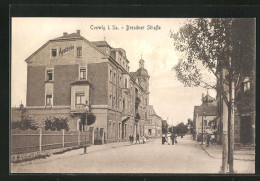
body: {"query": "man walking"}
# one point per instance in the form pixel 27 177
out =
pixel 173 138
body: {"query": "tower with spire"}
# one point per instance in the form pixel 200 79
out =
pixel 142 74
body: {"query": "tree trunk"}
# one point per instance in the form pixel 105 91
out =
pixel 225 137
pixel 231 127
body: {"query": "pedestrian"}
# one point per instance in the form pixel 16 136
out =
pixel 169 138
pixel 176 138
pixel 163 139
pixel 137 138
pixel 173 138
pixel 144 139
pixel 208 139
pixel 130 138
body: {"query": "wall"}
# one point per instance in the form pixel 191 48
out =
pixel 98 76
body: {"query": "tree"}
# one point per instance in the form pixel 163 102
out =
pixel 181 128
pixel 55 123
pixel 164 127
pixel 25 124
pixel 218 53
pixel 87 119
pixel 190 125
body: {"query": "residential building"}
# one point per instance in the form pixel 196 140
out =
pixel 244 121
pixel 206 112
pixel 153 123
pixel 69 76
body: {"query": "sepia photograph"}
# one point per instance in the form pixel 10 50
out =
pixel 132 95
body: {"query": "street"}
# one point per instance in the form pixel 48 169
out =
pixel 185 157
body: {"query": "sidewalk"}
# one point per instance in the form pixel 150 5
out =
pixel 215 151
pixel 80 151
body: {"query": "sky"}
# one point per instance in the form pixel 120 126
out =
pixel 171 100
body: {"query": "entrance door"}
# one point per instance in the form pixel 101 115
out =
pixel 150 131
pixel 246 130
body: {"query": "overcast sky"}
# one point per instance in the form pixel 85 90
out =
pixel 168 96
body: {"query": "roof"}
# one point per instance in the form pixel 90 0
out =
pixel 208 110
pixel 67 36
pixel 100 43
pixel 133 75
pixel 142 72
pixel 208 98
pixel 86 82
pixel 72 35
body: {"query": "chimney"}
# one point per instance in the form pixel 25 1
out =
pixel 65 33
pixel 78 32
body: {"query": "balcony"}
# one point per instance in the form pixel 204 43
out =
pixel 80 108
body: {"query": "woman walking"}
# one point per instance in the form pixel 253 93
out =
pixel 169 138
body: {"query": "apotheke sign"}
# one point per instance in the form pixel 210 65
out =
pixel 62 51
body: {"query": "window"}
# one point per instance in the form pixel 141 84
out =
pixel 110 75
pixel 54 52
pixel 48 100
pixel 79 51
pixel 125 83
pixel 114 77
pixel 49 75
pixel 114 100
pixel 110 98
pixel 83 73
pixel 246 86
pixel 80 98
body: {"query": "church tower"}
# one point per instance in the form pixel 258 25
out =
pixel 143 77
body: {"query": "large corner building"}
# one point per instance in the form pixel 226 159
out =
pixel 69 73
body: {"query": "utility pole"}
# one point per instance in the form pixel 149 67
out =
pixel 231 120
pixel 86 125
pixel 202 135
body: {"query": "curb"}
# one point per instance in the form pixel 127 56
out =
pixel 221 158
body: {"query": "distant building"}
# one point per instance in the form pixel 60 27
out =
pixel 70 75
pixel 208 111
pixel 153 123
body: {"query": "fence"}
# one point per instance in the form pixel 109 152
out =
pixel 25 141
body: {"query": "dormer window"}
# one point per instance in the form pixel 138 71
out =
pixel 83 73
pixel 54 52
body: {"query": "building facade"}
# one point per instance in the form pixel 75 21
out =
pixel 206 112
pixel 70 75
pixel 153 124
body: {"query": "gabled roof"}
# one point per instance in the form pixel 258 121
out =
pixel 66 37
pixel 208 110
